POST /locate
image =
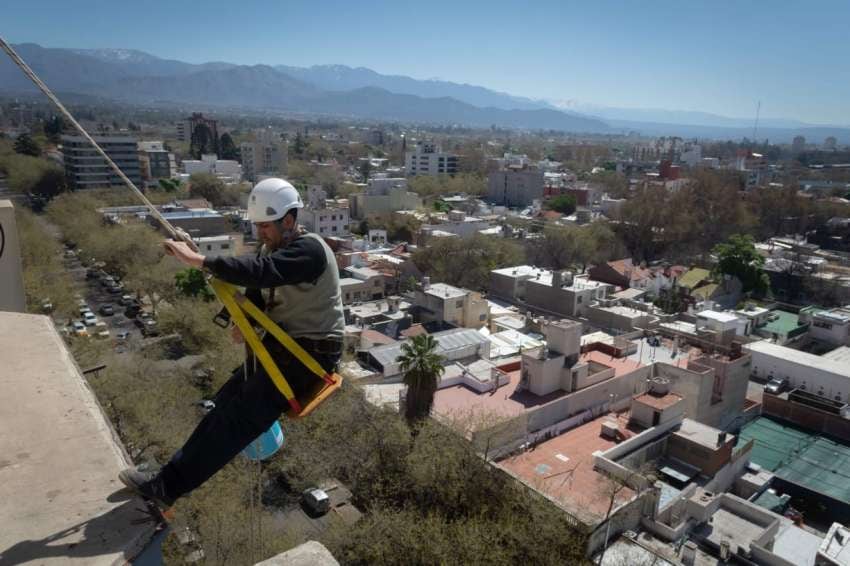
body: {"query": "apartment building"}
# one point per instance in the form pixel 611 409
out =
pixel 85 168
pixel 514 186
pixel 428 158
pixel 446 303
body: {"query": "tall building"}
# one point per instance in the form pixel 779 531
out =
pixel 514 187
pixel 155 162
pixel 428 158
pixel 186 127
pixel 799 144
pixel 267 157
pixel 85 168
pixel 830 143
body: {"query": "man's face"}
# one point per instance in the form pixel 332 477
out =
pixel 271 233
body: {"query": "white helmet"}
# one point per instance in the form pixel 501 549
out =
pixel 271 199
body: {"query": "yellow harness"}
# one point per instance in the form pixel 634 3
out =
pixel 240 308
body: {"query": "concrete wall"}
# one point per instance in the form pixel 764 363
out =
pixel 12 296
pixel 505 287
pixel 807 417
pixel 543 375
pixel 729 390
pixel 708 460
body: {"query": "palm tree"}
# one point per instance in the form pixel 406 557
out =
pixel 422 367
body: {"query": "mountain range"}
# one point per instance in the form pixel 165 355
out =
pixel 337 90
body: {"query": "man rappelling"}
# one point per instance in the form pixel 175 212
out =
pixel 294 279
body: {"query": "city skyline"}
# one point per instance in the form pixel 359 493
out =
pixel 718 58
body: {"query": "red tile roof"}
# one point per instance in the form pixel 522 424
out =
pixel 562 468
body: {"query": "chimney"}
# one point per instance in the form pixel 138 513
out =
pixel 556 279
pixel 721 438
pixel 426 283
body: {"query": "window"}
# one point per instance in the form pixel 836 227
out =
pixel 579 299
pixel 225 246
pixel 377 282
pixel 482 318
pixel 459 304
pixel 333 229
pixel 333 216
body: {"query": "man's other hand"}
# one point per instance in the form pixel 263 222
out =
pixel 236 335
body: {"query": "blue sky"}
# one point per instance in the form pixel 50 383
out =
pixel 718 56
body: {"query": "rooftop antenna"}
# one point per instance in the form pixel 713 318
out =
pixel 756 125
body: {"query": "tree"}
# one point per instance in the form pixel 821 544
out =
pixel 738 257
pixel 565 204
pixel 298 146
pixel 53 128
pixel 467 262
pixel 25 145
pixel 169 185
pixel 49 184
pixel 365 170
pixel 202 141
pixel 192 283
pixel 208 186
pixel 422 367
pixel 228 149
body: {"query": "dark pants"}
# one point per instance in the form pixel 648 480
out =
pixel 244 409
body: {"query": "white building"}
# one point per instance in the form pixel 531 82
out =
pixel 224 244
pixel 329 221
pixel 455 222
pixel 454 305
pixel 830 326
pixel 225 169
pixel 428 158
pixel 820 375
pixel 691 155
pixel 721 322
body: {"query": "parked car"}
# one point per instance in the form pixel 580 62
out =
pixel 133 310
pixel 84 308
pixel 79 329
pixel 89 319
pixel 91 274
pixel 777 385
pixel 122 335
pixel 70 254
pixel 126 300
pixel 106 310
pixel 116 289
pixel 46 306
pixel 150 328
pixel 101 330
pixel 142 318
pixel 316 500
pixel 107 281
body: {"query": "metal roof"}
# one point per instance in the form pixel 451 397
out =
pixel 447 341
pixel 796 456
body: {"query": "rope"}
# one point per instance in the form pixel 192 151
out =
pixel 174 232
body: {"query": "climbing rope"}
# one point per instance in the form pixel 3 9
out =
pixel 173 232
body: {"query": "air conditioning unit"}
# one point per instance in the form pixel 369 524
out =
pixel 610 429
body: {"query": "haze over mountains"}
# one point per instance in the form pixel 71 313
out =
pixel 138 77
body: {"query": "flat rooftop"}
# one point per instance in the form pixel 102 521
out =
pixel 701 434
pixel 460 401
pixel 659 402
pixel 621 366
pixel 668 352
pixel 562 469
pixel 800 457
pixel 717 316
pixel 783 323
pixel 59 458
pixel 799 358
